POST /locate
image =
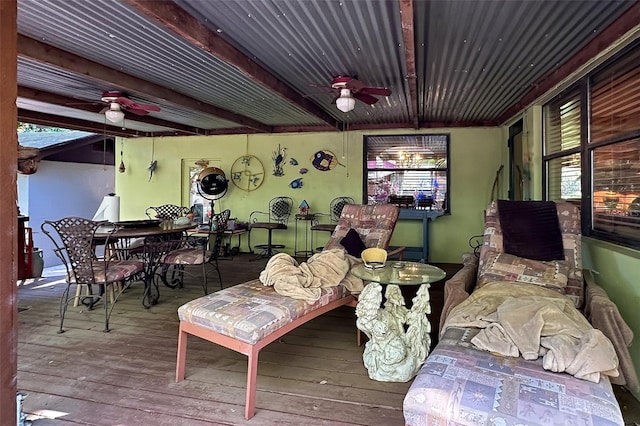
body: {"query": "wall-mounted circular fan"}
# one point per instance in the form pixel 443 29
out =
pixel 212 184
pixel 352 89
pixel 119 103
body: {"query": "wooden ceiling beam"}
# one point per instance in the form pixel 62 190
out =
pixel 36 50
pixel 171 16
pixel 52 120
pixel 74 103
pixel 408 38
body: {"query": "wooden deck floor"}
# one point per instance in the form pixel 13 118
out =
pixel 313 375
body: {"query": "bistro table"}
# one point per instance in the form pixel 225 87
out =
pixel 129 231
pixel 399 340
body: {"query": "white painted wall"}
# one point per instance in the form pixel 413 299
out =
pixel 61 189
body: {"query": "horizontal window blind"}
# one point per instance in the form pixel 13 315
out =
pixel 562 124
pixel 615 101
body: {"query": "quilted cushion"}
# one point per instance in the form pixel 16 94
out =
pixel 251 311
pixel 507 267
pixel 374 223
pixel 569 219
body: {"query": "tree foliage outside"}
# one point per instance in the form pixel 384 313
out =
pixel 29 127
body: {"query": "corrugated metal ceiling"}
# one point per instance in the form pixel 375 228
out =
pixel 474 60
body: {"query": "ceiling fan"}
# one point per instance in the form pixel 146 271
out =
pixel 351 89
pixel 119 102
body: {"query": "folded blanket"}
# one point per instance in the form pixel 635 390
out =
pixel 531 321
pixel 304 281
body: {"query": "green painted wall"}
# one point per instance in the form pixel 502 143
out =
pixel 618 272
pixel 476 154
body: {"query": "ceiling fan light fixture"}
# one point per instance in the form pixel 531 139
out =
pixel 114 113
pixel 345 102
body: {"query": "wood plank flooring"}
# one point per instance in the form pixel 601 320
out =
pixel 312 376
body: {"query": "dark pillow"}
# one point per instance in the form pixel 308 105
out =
pixel 531 229
pixel 352 243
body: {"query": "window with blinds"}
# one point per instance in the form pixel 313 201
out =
pixel 615 148
pixel 612 211
pixel 410 171
pixel 562 148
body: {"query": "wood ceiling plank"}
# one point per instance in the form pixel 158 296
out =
pixel 51 55
pixel 408 37
pixel 171 16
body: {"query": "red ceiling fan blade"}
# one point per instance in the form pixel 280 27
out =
pixel 137 111
pixel 132 105
pixel 367 99
pixel 380 91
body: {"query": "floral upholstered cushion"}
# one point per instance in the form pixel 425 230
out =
pixel 374 224
pixel 119 270
pixel 187 256
pixel 250 311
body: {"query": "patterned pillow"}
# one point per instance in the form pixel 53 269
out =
pixel 507 267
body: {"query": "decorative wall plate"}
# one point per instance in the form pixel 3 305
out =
pixel 247 173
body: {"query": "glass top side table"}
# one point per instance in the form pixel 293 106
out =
pixel 399 340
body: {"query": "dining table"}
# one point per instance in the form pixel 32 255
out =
pixel 136 238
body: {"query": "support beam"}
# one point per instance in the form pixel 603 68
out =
pixel 408 38
pixel 68 102
pixel 8 213
pixel 52 120
pixel 171 16
pixel 38 51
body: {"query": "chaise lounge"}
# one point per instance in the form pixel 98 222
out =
pixel 460 383
pixel 249 316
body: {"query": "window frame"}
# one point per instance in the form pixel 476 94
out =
pixel 587 150
pixel 417 136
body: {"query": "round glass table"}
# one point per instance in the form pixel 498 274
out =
pixel 399 340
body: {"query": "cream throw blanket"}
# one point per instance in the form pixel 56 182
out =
pixel 304 281
pixel 533 321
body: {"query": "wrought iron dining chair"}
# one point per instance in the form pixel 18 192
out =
pixel 335 210
pixel 198 249
pixel 75 245
pixel 166 211
pixel 277 218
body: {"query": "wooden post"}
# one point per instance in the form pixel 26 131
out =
pixel 8 213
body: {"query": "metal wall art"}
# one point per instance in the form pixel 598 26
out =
pixel 279 156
